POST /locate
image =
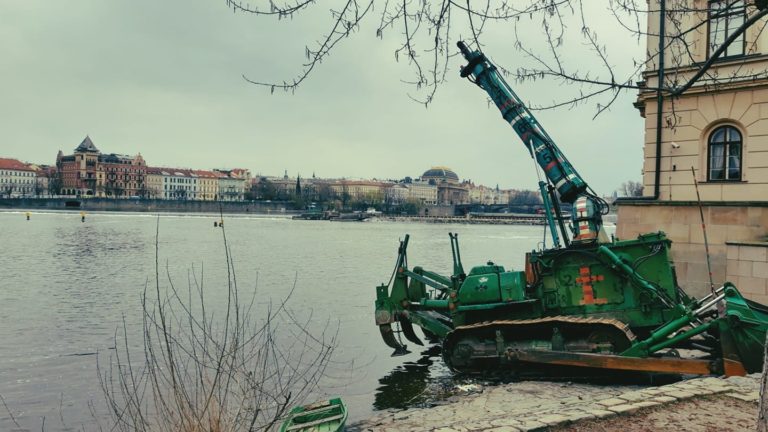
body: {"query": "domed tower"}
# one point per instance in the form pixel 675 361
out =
pixel 440 174
pixel 449 191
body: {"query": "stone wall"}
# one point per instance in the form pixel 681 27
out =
pixel 181 206
pixel 747 268
pixel 681 221
pixel 438 210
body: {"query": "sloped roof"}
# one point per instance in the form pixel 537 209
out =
pixel 87 146
pixel 206 174
pixel 14 164
pixel 115 158
pixel 172 172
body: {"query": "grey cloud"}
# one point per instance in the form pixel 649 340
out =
pixel 164 79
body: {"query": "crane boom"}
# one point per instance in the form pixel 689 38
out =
pixel 556 167
pixel 571 188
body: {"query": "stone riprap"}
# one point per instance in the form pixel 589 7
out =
pixel 531 406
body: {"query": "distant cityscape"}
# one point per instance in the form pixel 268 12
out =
pixel 89 173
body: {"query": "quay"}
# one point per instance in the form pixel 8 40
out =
pixel 146 205
pixel 556 406
pixel 476 218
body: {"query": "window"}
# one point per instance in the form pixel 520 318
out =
pixel 725 154
pixel 725 16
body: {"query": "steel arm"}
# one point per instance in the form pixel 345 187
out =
pixel 556 167
pixel 572 189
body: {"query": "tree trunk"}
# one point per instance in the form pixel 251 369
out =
pixel 762 411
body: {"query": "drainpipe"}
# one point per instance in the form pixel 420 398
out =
pixel 659 98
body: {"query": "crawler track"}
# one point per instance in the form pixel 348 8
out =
pixel 483 347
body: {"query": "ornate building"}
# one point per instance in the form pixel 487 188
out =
pixel 449 191
pixel 89 173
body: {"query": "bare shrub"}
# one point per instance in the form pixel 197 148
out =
pixel 201 371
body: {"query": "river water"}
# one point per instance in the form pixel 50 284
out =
pixel 67 285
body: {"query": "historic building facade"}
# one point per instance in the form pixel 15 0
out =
pixel 17 179
pixel 232 183
pixel 422 192
pixel 360 190
pixel 179 184
pixel 715 135
pixel 155 183
pixel 207 185
pixel 89 173
pixel 449 190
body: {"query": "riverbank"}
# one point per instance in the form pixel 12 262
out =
pixel 146 205
pixel 500 219
pixel 547 406
pixel 436 214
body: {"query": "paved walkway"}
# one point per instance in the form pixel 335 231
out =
pixel 531 406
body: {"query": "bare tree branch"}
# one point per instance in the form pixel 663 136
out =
pixel 425 27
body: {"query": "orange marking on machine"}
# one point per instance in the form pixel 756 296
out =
pixel 585 280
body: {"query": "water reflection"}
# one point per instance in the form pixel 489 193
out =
pixel 415 384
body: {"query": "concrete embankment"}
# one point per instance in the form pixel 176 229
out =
pixel 542 406
pixel 145 205
pixel 508 220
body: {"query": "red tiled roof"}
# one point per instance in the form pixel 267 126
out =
pixel 206 174
pixel 154 170
pixel 175 172
pixel 13 164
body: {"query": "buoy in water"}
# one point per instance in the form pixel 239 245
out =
pixel 215 224
pixel 82 217
pixel 28 214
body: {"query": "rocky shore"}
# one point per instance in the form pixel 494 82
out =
pixel 542 406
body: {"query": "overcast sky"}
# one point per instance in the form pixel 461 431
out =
pixel 164 79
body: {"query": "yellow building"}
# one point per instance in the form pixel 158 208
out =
pixel 155 183
pixel 207 185
pixel 360 190
pixel 719 126
pixel 422 192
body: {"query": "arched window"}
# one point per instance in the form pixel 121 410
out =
pixel 725 154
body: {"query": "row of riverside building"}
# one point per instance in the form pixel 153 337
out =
pixel 89 173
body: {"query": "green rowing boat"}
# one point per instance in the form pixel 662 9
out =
pixel 322 416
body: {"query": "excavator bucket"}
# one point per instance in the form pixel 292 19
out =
pixel 742 334
pixel 392 341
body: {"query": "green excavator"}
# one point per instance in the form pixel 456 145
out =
pixel 587 302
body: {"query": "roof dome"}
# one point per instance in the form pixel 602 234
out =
pixel 440 173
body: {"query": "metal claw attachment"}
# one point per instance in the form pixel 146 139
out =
pixel 389 338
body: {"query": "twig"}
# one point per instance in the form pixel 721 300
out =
pixel 8 410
